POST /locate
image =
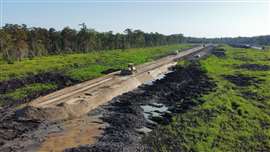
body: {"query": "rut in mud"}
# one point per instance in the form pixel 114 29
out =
pixel 128 119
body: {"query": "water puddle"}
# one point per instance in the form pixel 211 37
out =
pixel 153 110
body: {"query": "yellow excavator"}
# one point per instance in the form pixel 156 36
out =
pixel 129 71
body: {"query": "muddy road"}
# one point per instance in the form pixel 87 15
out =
pixel 120 125
pixel 132 115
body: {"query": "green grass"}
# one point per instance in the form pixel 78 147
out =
pixel 93 63
pixel 227 121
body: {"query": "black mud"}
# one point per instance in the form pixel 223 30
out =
pixel 51 77
pixel 253 95
pixel 254 67
pixel 243 80
pixel 110 71
pixel 14 130
pixel 179 90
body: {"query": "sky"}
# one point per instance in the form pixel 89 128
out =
pixel 198 18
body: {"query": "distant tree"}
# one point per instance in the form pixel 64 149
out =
pixel 18 41
pixel 6 47
pixel 68 37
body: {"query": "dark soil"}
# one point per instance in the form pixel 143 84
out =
pixel 57 78
pixel 179 91
pixel 255 67
pixel 110 71
pixel 49 77
pixel 253 96
pixel 243 80
pixel 14 130
pixel 219 52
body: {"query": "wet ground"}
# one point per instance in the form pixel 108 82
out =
pixel 131 116
pixel 121 125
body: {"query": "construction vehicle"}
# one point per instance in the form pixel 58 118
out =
pixel 197 56
pixel 176 52
pixel 129 71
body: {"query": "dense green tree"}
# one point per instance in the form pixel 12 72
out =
pixel 68 38
pixel 18 41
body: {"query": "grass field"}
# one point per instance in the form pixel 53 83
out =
pixel 79 67
pixel 84 66
pixel 234 117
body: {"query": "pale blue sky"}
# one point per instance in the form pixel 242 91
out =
pixel 192 18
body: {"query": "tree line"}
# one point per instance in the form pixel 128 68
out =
pixel 256 40
pixel 19 41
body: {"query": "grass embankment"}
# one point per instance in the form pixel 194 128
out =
pixel 79 67
pixel 235 117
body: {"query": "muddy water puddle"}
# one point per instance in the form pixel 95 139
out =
pixel 154 110
pixel 73 133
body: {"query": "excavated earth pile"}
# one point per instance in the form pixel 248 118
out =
pixel 178 91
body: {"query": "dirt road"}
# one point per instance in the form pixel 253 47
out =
pixel 77 100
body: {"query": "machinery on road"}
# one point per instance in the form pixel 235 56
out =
pixel 129 71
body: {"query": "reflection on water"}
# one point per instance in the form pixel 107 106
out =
pixel 153 110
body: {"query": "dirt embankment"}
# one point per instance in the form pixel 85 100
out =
pixel 132 115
